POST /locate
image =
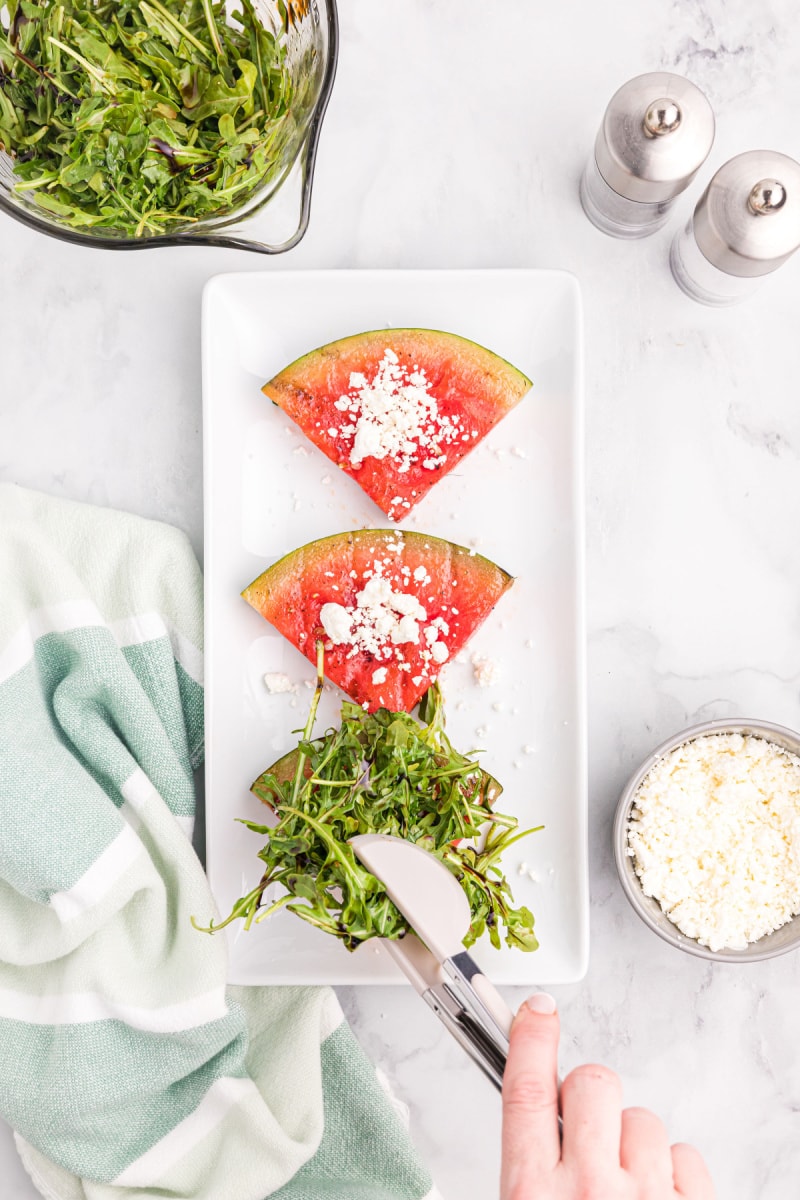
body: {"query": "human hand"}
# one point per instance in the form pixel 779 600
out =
pixel 607 1153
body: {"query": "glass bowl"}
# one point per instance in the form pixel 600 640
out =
pixel 782 940
pixel 311 43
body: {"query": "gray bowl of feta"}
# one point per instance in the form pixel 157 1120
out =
pixel 707 840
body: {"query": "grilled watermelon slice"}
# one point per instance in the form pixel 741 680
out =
pixel 396 409
pixel 390 607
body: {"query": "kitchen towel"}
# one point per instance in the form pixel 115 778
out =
pixel 127 1067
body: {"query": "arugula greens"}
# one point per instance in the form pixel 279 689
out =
pixel 382 772
pixel 141 116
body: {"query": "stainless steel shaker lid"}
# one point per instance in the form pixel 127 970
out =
pixel 657 132
pixel 747 222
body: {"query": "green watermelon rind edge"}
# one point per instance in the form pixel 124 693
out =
pixel 355 337
pixel 285 561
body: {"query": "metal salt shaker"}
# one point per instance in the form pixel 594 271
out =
pixel 657 132
pixel 746 224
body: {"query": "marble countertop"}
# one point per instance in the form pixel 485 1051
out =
pixel 456 137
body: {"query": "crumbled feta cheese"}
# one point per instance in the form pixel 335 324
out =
pixel 337 623
pixel 526 872
pixel 406 630
pixel 381 617
pixel 395 415
pixel 485 670
pixel 408 605
pixel 367 443
pixel 379 675
pixel 278 683
pixel 714 834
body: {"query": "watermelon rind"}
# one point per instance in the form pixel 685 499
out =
pixel 517 379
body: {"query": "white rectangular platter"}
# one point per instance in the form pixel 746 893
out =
pixel 517 498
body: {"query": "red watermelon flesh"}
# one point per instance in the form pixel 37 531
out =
pixel 391 608
pixel 397 409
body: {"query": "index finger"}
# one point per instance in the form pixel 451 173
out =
pixel 531 1144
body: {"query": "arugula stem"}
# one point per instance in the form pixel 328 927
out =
pixel 182 30
pixel 139 216
pixel 504 843
pixel 99 76
pixel 309 725
pixel 308 914
pixel 31 184
pixel 267 912
pixel 43 74
pixel 212 29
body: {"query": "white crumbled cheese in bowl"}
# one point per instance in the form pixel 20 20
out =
pixel 714 835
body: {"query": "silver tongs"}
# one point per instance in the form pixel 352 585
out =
pixel 448 979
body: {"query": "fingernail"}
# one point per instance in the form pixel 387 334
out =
pixel 542 1003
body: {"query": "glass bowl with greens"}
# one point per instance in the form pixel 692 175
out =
pixel 130 124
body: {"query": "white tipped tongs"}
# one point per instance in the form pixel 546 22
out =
pixel 433 957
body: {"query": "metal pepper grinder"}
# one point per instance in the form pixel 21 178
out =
pixel 656 133
pixel 746 224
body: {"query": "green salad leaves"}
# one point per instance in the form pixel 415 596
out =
pixel 142 116
pixel 383 772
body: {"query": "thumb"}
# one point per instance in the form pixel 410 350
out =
pixel 531 1144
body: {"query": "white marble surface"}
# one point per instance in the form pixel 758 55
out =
pixel 456 137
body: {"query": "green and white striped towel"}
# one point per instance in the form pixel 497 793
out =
pixel 127 1068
